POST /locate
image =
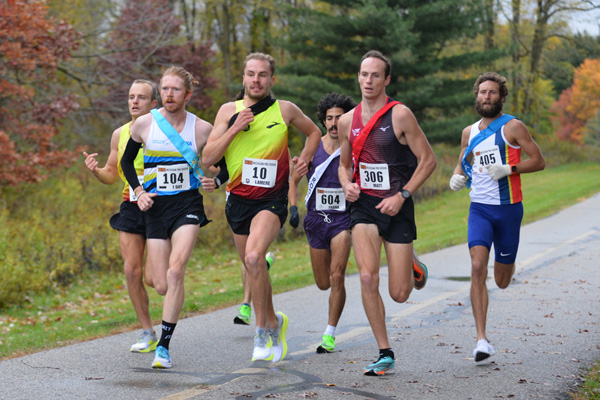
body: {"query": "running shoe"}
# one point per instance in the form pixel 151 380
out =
pixel 483 350
pixel 263 346
pixel 327 345
pixel 270 260
pixel 243 318
pixel 278 335
pixel 379 367
pixel 162 360
pixel 419 272
pixel 146 343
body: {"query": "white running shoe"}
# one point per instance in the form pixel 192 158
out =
pixel 483 350
pixel 263 346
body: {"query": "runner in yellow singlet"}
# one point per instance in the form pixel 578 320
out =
pixel 252 135
pixel 129 223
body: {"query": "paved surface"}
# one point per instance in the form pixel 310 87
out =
pixel 544 328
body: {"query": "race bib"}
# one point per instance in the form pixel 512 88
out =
pixel 170 178
pixel 132 196
pixel 259 172
pixel 374 176
pixel 330 199
pixel 486 157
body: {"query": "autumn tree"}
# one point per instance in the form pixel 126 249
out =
pixel 32 46
pixel 580 103
pixel 145 40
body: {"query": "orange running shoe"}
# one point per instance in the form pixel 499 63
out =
pixel 419 272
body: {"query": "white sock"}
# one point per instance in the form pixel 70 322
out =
pixel 330 330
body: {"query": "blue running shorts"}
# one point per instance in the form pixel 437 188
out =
pixel 497 224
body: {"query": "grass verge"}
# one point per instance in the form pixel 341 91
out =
pixel 97 304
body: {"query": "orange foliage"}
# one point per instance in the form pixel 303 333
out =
pixel 32 45
pixel 579 103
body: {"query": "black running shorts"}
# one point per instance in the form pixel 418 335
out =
pixel 240 212
pixel 129 219
pixel 171 212
pixel 400 228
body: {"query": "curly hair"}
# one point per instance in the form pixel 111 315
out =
pixel 331 100
pixel 494 77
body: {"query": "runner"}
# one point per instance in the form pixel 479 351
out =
pixel 494 145
pixel 128 221
pixel 174 210
pixel 327 222
pixel 385 157
pixel 252 134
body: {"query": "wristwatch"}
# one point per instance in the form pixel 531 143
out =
pixel 513 169
pixel 405 193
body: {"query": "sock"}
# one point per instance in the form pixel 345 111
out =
pixel 167 333
pixel 386 353
pixel 330 330
pixel 246 304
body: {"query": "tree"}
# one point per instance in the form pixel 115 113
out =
pixel 32 46
pixel 429 74
pixel 145 40
pixel 545 22
pixel 580 103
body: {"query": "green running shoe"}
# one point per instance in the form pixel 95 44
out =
pixel 327 345
pixel 270 257
pixel 146 343
pixel 379 367
pixel 243 318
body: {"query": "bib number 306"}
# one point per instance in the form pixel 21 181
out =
pixel 374 176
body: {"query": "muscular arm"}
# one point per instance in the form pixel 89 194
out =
pixel 419 145
pixel 294 116
pixel 222 135
pixel 517 133
pixel 109 173
pixel 407 128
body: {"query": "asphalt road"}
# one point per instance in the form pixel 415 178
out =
pixel 544 328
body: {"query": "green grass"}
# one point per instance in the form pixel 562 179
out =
pixel 96 304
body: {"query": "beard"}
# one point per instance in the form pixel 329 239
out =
pixel 491 112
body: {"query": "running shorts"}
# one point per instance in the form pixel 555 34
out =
pixel 171 212
pixel 497 224
pixel 240 211
pixel 129 219
pixel 321 227
pixel 400 228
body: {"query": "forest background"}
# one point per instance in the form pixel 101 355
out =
pixel 66 67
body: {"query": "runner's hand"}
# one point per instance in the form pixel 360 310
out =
pixel 300 166
pixel 498 172
pixel 458 182
pixel 208 184
pixel 146 200
pixel 352 191
pixel 294 217
pixel 90 161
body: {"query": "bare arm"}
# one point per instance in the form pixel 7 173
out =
pixel 222 135
pixel 351 189
pixel 406 126
pixel 109 173
pixel 517 133
pixel 293 191
pixel 294 116
pixel 419 145
pixel 464 142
